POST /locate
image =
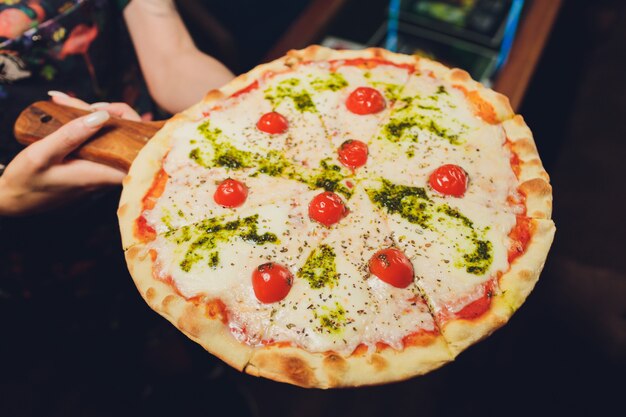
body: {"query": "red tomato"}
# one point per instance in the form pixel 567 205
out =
pixel 449 179
pixel 230 193
pixel 271 282
pixel 393 267
pixel 327 208
pixel 353 153
pixel 273 123
pixel 365 100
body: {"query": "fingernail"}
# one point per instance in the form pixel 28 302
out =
pixel 54 93
pixel 96 118
pixel 99 105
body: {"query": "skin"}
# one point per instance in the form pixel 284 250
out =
pixel 158 34
pixel 42 177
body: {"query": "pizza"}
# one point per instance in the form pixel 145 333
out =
pixel 339 218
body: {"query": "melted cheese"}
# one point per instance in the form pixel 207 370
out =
pixel 455 244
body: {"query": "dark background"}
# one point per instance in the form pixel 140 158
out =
pixel 77 340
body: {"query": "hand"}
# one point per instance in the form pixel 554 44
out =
pixel 41 177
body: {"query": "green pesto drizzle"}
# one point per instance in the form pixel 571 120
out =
pixel 290 89
pixel 224 154
pixel 392 91
pixel 328 175
pixel 320 269
pixel 203 238
pixel 414 205
pixel 478 261
pixel 167 219
pixel 331 321
pixel 422 113
pixel 334 82
pixel 398 128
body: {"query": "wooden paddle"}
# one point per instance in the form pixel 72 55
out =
pixel 116 144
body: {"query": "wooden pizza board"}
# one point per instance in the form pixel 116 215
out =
pixel 116 144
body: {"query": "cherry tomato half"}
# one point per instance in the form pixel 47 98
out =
pixel 271 282
pixel 353 153
pixel 230 193
pixel 449 179
pixel 365 100
pixel 327 208
pixel 273 123
pixel 392 266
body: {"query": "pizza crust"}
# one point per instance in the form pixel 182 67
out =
pixel 519 281
pixel 330 370
pixel 462 333
pixel 282 363
pixel 141 177
pixel 533 178
pixel 192 318
pixel 379 365
pixel 514 287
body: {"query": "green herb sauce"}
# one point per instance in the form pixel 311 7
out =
pixel 332 320
pixel 414 205
pixel 291 89
pixel 320 269
pixel 203 238
pixel 391 91
pixel 425 114
pixel 334 82
pixel 328 175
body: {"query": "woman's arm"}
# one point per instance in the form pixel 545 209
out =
pixel 177 73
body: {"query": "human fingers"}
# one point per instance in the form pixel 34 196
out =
pixel 60 97
pixel 56 146
pixel 80 173
pixel 122 110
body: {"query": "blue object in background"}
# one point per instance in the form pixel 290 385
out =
pixel 509 32
pixel 391 43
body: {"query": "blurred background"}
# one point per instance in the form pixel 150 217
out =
pixel 76 339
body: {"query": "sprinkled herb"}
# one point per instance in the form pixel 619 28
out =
pixel 332 321
pixel 203 238
pixel 320 269
pixel 414 205
pixel 290 89
pixel 334 82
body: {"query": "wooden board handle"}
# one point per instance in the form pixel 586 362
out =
pixel 116 144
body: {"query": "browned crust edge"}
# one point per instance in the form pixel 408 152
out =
pixel 524 273
pixel 191 318
pixel 141 177
pixel 281 363
pixel 514 286
pixel 330 370
pixel 462 333
pixel 533 178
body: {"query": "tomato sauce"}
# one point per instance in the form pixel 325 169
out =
pixel 246 89
pixel 482 107
pixel 368 63
pixel 216 309
pixel 520 235
pixel 478 307
pixel 143 231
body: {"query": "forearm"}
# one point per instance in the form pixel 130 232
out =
pixel 176 72
pixel 7 199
